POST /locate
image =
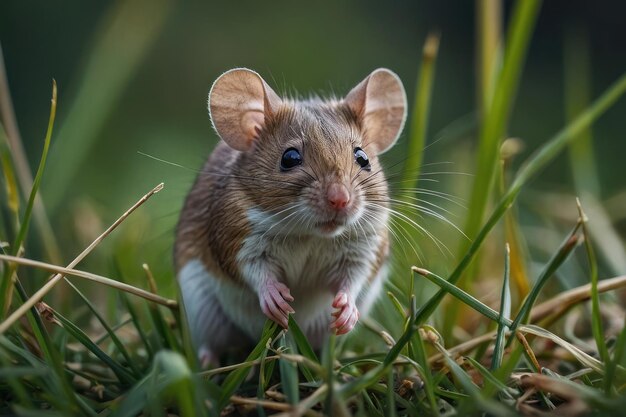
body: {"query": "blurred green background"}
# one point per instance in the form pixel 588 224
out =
pixel 133 76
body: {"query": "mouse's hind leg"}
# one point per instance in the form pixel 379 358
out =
pixel 212 332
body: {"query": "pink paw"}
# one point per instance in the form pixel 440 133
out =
pixel 273 297
pixel 346 316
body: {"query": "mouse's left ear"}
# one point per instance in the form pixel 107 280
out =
pixel 380 103
pixel 240 103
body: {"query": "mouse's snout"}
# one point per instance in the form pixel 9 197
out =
pixel 338 196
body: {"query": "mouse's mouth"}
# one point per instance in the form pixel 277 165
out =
pixel 334 226
pixel 330 226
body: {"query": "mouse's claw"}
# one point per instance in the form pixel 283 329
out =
pixel 273 298
pixel 346 315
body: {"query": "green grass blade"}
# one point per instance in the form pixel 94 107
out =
pixel 390 409
pixel 495 121
pixel 421 110
pixel 418 353
pixel 463 296
pixel 122 373
pixel 115 328
pixel 518 248
pixel 565 249
pixel 53 358
pixel 269 369
pixel 303 346
pixel 328 359
pixel 158 342
pixel 301 341
pixel 116 341
pixel 289 376
pixel 596 314
pixel 493 130
pixel 577 79
pixel 181 387
pixel 397 304
pixel 235 378
pixel 619 359
pixel 465 381
pixel 407 406
pixel 488 51
pixel 162 328
pixel 134 315
pixel 491 378
pixel 6 287
pixel 11 374
pixel 263 381
pixel 161 325
pixel 505 311
pixel 170 381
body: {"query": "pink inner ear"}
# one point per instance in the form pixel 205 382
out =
pixel 251 123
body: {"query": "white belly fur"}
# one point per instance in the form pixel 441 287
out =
pixel 312 302
pixel 309 267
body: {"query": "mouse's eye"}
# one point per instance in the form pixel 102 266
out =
pixel 361 158
pixel 291 159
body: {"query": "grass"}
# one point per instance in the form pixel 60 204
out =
pixel 124 349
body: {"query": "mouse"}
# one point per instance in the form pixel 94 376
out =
pixel 289 214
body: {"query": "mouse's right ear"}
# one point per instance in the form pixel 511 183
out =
pixel 379 101
pixel 240 103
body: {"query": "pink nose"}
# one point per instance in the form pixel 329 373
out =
pixel 338 196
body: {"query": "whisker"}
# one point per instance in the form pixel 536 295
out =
pixel 418 206
pixel 429 212
pixel 174 164
pixel 281 220
pixel 418 227
pixel 402 233
pixel 292 227
pixel 444 196
pixel 446 173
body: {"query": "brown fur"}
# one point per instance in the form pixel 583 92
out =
pixel 226 258
pixel 213 223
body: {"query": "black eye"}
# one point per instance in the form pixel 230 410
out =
pixel 291 159
pixel 361 158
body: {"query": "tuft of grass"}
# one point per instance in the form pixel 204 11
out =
pixel 505 312
pixel 8 278
pixel 499 104
pixel 498 93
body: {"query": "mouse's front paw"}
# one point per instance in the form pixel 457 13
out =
pixel 273 297
pixel 346 315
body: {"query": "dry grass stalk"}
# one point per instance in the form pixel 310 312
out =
pixel 304 406
pixel 215 371
pixel 520 336
pixel 93 277
pixel 47 287
pixel 553 307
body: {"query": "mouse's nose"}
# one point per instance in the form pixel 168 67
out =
pixel 338 196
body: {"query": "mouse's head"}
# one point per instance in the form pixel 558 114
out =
pixel 310 167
